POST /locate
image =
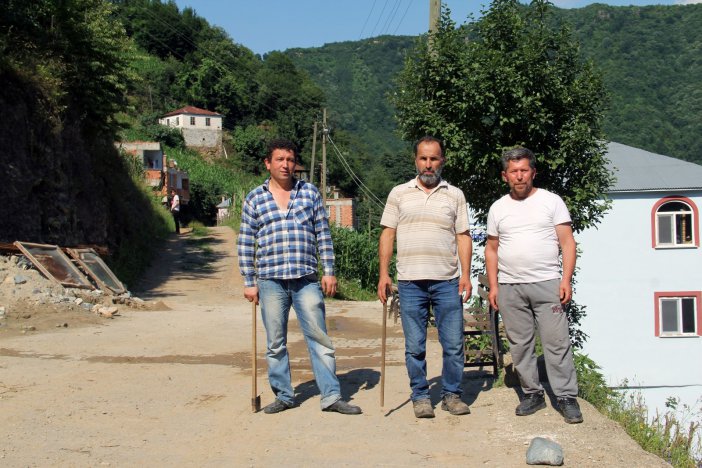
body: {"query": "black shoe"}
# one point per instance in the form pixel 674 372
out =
pixel 276 407
pixel 530 404
pixel 340 406
pixel 570 410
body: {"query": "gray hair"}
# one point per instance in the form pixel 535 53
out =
pixel 515 154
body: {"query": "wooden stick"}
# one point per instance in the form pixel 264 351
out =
pixel 382 355
pixel 255 399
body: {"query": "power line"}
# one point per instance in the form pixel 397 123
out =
pixel 359 183
pixel 391 17
pixel 367 18
pixel 379 18
pixel 409 4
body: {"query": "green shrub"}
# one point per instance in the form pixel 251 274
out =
pixel 357 257
pixel 664 435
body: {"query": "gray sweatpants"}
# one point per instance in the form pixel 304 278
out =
pixel 523 307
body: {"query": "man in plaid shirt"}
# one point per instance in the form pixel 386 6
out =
pixel 283 225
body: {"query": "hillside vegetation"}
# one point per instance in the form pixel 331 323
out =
pixel 650 57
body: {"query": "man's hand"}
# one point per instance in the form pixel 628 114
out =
pixel 566 292
pixel 251 294
pixel 329 285
pixel 384 287
pixel 492 297
pixel 465 286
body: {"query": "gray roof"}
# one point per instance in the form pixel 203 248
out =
pixel 637 170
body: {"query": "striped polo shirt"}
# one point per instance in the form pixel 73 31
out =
pixel 426 225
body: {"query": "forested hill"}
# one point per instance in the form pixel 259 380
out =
pixel 650 58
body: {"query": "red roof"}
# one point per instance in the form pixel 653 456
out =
pixel 191 110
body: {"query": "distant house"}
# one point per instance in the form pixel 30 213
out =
pixel 201 129
pixel 224 210
pixel 161 173
pixel 341 211
pixel 640 277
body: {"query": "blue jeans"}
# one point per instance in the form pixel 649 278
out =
pixel 305 295
pixel 415 299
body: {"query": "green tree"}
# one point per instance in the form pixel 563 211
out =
pixel 516 82
pixel 74 51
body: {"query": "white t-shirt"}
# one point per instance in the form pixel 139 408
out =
pixel 528 244
pixel 175 203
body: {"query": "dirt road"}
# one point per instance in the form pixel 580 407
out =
pixel 171 387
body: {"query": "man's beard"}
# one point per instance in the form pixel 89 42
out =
pixel 431 180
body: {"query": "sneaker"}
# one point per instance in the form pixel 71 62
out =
pixel 530 404
pixel 570 410
pixel 423 408
pixel 453 404
pixel 276 407
pixel 340 406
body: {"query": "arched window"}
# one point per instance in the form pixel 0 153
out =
pixel 675 223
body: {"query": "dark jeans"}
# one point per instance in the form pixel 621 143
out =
pixel 176 219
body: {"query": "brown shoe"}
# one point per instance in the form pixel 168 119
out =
pixel 423 408
pixel 453 404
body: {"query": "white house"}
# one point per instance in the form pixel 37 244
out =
pixel 200 128
pixel 640 277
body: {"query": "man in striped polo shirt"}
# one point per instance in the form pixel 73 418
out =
pixel 283 225
pixel 430 220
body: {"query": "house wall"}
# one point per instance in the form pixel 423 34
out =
pixel 183 121
pixel 342 212
pixel 202 138
pixel 619 272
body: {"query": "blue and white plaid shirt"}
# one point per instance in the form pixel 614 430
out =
pixel 275 244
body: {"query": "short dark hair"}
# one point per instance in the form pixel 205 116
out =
pixel 281 143
pixel 515 154
pixel 428 139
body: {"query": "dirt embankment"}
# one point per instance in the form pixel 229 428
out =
pixel 173 386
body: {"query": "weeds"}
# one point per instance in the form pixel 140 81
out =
pixel 664 435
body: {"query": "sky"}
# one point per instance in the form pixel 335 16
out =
pixel 267 25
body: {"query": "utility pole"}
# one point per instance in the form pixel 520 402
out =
pixel 325 132
pixel 314 148
pixel 434 14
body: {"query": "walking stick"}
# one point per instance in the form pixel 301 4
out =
pixel 382 355
pixel 255 398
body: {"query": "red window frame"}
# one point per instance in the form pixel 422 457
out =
pixel 695 215
pixel 657 320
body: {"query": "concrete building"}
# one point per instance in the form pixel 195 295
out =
pixel 201 129
pixel 341 211
pixel 160 173
pixel 640 278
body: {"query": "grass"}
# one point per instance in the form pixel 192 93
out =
pixel 667 436
pixel 351 290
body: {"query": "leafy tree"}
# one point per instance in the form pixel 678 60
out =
pixel 518 82
pixel 75 51
pixel 288 98
pixel 249 144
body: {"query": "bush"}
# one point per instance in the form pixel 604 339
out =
pixel 357 257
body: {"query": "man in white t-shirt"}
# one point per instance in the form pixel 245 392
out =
pixel 525 230
pixel 175 210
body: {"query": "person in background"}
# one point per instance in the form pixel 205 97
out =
pixel 175 210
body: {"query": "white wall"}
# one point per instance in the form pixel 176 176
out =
pixel 619 271
pixel 183 121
